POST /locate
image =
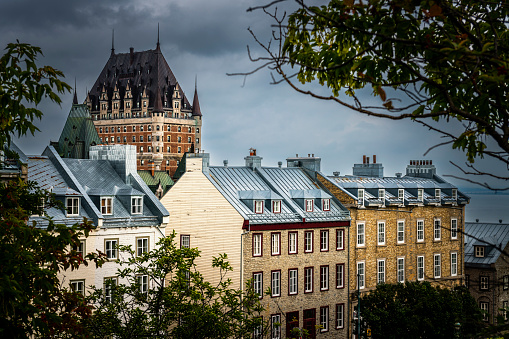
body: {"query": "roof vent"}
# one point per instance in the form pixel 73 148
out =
pixel 398 175
pixel 500 220
pixel 225 163
pixel 336 174
pixel 476 220
pixel 279 164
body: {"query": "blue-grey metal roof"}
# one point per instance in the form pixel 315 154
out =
pixel 490 235
pixel 239 184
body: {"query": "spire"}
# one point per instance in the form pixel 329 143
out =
pixel 158 104
pixel 158 46
pixel 196 103
pixel 75 99
pixel 113 42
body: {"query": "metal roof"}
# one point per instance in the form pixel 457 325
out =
pixel 494 237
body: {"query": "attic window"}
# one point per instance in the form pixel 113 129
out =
pixel 381 194
pixel 420 194
pixel 437 193
pixel 276 206
pixel 309 205
pixel 360 197
pixel 455 194
pixel 326 204
pixel 136 205
pixel 72 206
pixel 258 206
pixel 401 194
pixel 479 251
pixel 107 206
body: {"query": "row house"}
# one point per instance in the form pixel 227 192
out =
pixel 487 267
pixel 137 100
pixel 107 190
pixel 280 231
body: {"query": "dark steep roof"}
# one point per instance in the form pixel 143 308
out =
pixel 196 104
pixel 146 69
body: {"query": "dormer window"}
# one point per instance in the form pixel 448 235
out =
pixel 361 197
pixel 136 205
pixel 454 194
pixel 479 251
pixel 401 194
pixel 437 193
pixel 309 205
pixel 258 204
pixel 420 194
pixel 326 204
pixel 276 206
pixel 107 206
pixel 72 206
pixel 381 194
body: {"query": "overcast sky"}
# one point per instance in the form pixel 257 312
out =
pixel 208 39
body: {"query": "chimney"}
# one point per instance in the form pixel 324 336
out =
pixel 121 157
pixel 225 163
pixel 336 174
pixel 366 169
pixel 367 160
pixel 363 159
pixel 279 164
pixel 152 169
pixel 374 159
pixel 398 175
pixel 253 161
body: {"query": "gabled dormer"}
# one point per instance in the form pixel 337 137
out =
pixel 261 201
pixel 70 198
pixel 310 198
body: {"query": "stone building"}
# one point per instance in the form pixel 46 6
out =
pixel 137 100
pixel 487 267
pixel 107 190
pixel 404 227
pixel 278 228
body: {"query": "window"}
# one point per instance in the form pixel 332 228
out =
pixel 484 283
pixel 292 321
pixel 420 267
pixel 293 281
pixel 276 283
pixel 506 282
pixel 197 130
pixel 189 139
pixel 276 206
pixel 326 204
pixel 360 234
pixel 78 286
pixel 401 232
pixel 479 251
pixel 136 205
pixel 179 139
pixel 258 206
pixel 401 270
pixel 100 129
pixel 454 229
pixel 125 139
pixel 141 128
pixel 437 230
pixel 381 271
pixel 455 194
pixel 111 248
pixel 324 278
pixel 109 287
pixel 258 330
pixel 420 230
pixel 381 233
pixel 149 148
pixel 72 206
pixel 340 240
pixel 308 279
pixel 80 248
pixel 141 149
pixel 401 194
pixel 420 194
pixel 360 275
pixel 257 245
pixel 185 241
pixel 292 242
pixel 504 311
pixel 275 243
pixel 258 284
pixel 308 241
pixel 324 318
pixel 106 130
pixel 484 306
pixel 324 241
pixel 340 314
pixel 143 282
pixel 360 197
pixel 381 195
pixel 106 205
pixel 454 264
pixel 141 246
pixel 149 137
pixel 179 149
pixel 179 129
pixel 118 139
pixel 275 321
pixel 340 275
pixel 134 138
pixel 437 265
pixel 309 205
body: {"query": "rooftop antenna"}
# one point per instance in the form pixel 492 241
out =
pixel 113 42
pixel 158 45
pixel 195 82
pixel 75 98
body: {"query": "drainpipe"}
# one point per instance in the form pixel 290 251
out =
pixel 242 256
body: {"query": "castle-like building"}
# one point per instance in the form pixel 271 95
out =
pixel 137 100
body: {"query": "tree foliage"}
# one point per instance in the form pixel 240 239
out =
pixel 33 303
pixel 419 310
pixel 424 59
pixel 177 302
pixel 23 85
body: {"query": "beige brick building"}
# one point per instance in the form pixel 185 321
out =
pixel 279 229
pixel 404 228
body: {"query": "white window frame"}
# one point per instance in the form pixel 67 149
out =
pixel 361 234
pixel 400 270
pixel 258 206
pixel 360 197
pixel 276 206
pixel 72 206
pixel 275 283
pixel 107 205
pixel 420 268
pixel 324 240
pixel 340 275
pixel 257 244
pixel 308 241
pixel 504 307
pixel 136 205
pixel 361 272
pixel 185 241
pixel 326 204
pixel 484 283
pixel 401 194
pixel 420 194
pixel 485 306
pixel 141 245
pixel 454 228
pixel 381 233
pixel 309 203
pixel 275 243
pixel 380 269
pixel 438 193
pixel 110 248
pixel 324 278
pixel 340 316
pixel 437 229
pixel 108 293
pixel 292 242
pixel 437 266
pixel 293 281
pixel 143 282
pixel 381 195
pixel 454 194
pixel 420 230
pixel 340 240
pixel 258 284
pixel 454 264
pixel 80 248
pixel 324 318
pixel 275 322
pixel 401 231
pixel 308 279
pixel 78 286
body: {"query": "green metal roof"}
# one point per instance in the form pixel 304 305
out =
pixel 160 177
